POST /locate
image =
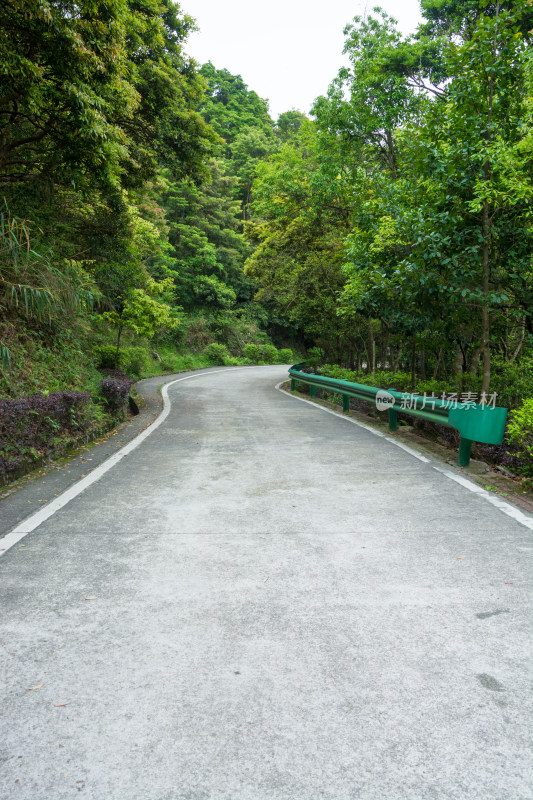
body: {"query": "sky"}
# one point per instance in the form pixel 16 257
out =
pixel 287 51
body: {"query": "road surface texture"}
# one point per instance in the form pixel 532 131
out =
pixel 266 602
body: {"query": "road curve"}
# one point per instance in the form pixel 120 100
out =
pixel 266 602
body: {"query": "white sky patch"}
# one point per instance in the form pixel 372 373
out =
pixel 287 52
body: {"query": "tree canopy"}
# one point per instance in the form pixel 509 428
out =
pixel 391 226
pixel 419 163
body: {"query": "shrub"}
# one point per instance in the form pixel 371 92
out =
pixel 31 427
pixel 216 353
pixel 233 331
pixel 198 333
pixel 520 433
pixel 513 383
pixel 285 356
pixel 333 371
pixel 115 388
pixel 187 362
pixel 131 360
pixel 105 356
pixel 168 363
pixel 134 361
pixel 270 354
pixel 433 386
pixel 252 352
pixel 176 362
pixel 315 355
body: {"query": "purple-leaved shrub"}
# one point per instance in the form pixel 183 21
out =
pixel 31 427
pixel 115 388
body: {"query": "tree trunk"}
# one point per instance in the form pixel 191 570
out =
pixel 437 364
pixel 473 364
pixel 413 363
pixel 457 361
pixel 505 337
pixel 486 233
pixel 371 347
pixel 520 343
pixel 384 348
pixel 485 316
pixel 395 359
pixel 423 364
pixel 117 352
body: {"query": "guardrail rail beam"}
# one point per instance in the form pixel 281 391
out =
pixel 475 422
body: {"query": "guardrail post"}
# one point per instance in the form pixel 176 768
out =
pixel 475 423
pixel 465 448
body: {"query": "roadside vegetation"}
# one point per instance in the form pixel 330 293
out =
pixel 395 227
pixel 154 218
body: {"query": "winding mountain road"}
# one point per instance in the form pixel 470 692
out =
pixel 263 601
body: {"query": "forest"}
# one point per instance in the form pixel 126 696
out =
pixel 155 218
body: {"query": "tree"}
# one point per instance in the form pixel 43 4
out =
pixel 137 307
pixel 230 107
pixel 64 84
pixel 298 238
pixel 97 90
pixel 478 176
pixel 249 148
pixel 288 124
pixel 207 247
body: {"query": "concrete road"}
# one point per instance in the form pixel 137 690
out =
pixel 266 602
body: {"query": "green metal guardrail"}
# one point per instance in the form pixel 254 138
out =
pixel 475 422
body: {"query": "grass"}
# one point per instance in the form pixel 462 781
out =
pixel 38 365
pixel 172 361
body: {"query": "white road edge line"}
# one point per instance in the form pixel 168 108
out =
pixel 506 508
pixel 34 520
pixel 380 434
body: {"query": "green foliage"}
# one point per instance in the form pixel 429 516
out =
pixel 315 355
pixel 136 204
pixel 210 291
pixel 513 383
pixel 520 433
pixel 171 361
pixel 118 172
pixel 216 353
pixel 270 354
pixel 391 233
pixel 98 91
pixel 242 119
pixel 288 124
pixel 134 361
pixel 47 361
pixel 207 248
pixel 252 352
pixel 285 356
pixel 106 356
pixel 230 107
pixel 138 310
pixel 297 231
pixel 396 227
pixel 387 379
pixel 30 284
